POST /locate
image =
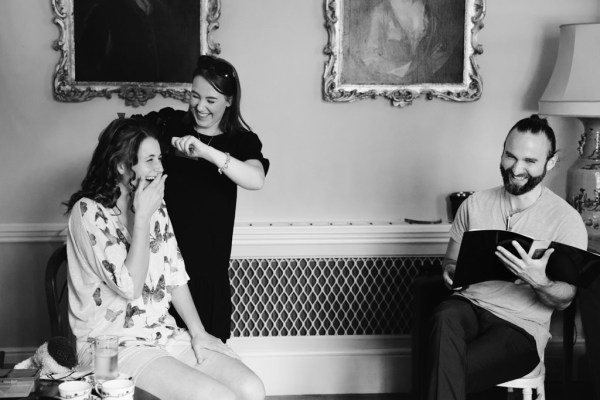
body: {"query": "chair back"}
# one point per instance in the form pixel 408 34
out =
pixel 57 293
pixel 428 290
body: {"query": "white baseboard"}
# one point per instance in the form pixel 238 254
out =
pixel 328 364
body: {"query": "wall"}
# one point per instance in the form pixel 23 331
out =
pixel 330 161
pixel 364 161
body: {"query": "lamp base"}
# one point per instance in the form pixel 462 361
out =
pixel 583 181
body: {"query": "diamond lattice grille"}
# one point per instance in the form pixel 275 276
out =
pixel 323 296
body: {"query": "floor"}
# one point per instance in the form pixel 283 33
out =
pixel 554 391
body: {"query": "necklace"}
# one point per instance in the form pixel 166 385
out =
pixel 199 135
pixel 512 212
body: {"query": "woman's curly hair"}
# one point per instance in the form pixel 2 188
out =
pixel 118 144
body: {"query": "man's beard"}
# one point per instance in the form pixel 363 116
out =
pixel 517 190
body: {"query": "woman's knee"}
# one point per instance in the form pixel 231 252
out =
pixel 251 387
pixel 219 392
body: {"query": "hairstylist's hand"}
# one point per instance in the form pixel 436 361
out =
pixel 148 196
pixel 207 341
pixel 190 146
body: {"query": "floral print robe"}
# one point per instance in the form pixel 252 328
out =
pixel 101 299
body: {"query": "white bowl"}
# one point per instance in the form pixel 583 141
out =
pixel 117 388
pixel 75 390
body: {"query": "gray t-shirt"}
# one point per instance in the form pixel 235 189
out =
pixel 549 218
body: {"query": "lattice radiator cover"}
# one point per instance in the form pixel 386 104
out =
pixel 323 296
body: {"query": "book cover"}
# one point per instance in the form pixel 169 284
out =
pixel 477 261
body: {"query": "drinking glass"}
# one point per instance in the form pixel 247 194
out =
pixel 106 357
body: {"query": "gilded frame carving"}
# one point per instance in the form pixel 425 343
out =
pixel 68 88
pixel 347 80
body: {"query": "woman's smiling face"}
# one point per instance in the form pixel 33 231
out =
pixel 207 105
pixel 149 161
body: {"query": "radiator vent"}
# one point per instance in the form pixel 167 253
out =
pixel 323 296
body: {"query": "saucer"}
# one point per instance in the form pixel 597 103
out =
pixel 92 397
pixel 92 381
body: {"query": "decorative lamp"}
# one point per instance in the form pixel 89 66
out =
pixel 574 91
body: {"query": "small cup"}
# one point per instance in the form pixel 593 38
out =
pixel 456 200
pixel 75 390
pixel 121 389
pixel 106 358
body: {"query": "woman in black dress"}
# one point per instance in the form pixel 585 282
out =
pixel 208 152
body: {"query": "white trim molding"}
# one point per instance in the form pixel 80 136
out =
pixel 321 239
pixel 328 364
pixel 27 233
pixel 339 239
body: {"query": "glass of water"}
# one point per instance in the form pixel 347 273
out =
pixel 106 357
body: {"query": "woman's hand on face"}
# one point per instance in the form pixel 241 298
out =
pixel 190 146
pixel 148 196
pixel 207 341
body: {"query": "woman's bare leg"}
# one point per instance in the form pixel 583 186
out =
pixel 169 378
pixel 231 372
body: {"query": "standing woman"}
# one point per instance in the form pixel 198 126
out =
pixel 208 152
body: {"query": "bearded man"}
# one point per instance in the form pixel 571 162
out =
pixel 495 331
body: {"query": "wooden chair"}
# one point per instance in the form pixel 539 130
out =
pixel 57 293
pixel 532 381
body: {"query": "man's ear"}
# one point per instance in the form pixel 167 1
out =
pixel 551 162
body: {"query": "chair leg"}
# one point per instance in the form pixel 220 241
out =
pixel 527 393
pixel 541 393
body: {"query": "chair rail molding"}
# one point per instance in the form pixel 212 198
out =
pixel 27 233
pixel 316 239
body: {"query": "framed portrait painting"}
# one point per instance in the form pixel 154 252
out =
pixel 402 49
pixel 134 49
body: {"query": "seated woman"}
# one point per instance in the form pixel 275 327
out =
pixel 125 270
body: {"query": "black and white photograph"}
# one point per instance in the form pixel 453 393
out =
pixel 299 200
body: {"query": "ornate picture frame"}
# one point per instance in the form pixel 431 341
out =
pixel 130 69
pixel 402 49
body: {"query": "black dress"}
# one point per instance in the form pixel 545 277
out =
pixel 201 205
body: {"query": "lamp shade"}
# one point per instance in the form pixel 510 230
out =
pixel 574 88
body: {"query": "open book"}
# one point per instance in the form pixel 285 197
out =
pixel 477 261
